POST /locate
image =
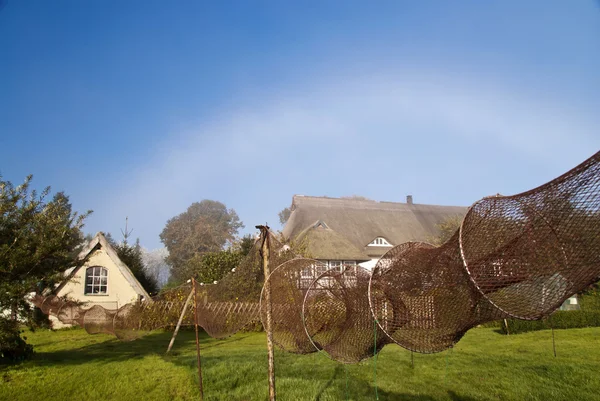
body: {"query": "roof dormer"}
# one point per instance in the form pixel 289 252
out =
pixel 380 241
pixel 320 224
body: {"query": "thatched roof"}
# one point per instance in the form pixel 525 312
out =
pixel 324 243
pixel 357 222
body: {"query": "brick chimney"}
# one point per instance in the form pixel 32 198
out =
pixel 409 199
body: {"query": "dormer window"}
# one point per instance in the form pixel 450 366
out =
pixel 380 241
pixel 320 224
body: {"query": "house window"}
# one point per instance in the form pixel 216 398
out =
pixel 352 270
pixel 307 272
pixel 321 268
pixel 380 241
pixel 96 280
pixel 335 264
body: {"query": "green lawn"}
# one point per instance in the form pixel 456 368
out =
pixel 72 365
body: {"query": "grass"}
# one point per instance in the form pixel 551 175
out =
pixel 72 365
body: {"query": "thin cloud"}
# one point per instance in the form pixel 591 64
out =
pixel 306 135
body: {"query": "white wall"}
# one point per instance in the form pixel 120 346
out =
pixel 370 264
pixel 119 291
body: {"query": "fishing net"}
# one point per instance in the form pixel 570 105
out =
pixel 528 253
pixel 288 284
pixel 519 256
pixel 127 323
pixel 99 320
pixel 233 302
pixel 422 298
pixel 337 317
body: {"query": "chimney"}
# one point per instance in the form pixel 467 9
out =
pixel 409 199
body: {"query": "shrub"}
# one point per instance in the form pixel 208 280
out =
pixel 39 320
pixel 12 346
pixel 590 301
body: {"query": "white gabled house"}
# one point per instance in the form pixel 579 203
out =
pixel 103 279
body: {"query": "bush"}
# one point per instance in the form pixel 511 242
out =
pixel 12 347
pixel 39 320
pixel 558 320
pixel 590 301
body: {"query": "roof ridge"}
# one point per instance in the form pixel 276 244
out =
pixel 362 202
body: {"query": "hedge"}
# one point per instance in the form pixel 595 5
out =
pixel 558 320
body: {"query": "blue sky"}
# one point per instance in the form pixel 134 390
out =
pixel 140 108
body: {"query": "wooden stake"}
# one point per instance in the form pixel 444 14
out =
pixel 185 306
pixel 553 343
pixel 197 340
pixel 265 251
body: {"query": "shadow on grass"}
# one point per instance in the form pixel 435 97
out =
pixel 329 382
pixel 219 342
pixel 113 350
pixel 455 397
pixel 219 366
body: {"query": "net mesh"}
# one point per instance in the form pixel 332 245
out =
pixel 224 307
pixel 422 298
pixel 337 317
pixel 520 256
pixel 528 253
pixel 127 323
pixel 288 285
pixel 233 303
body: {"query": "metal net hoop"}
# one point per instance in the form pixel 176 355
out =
pixel 331 273
pixel 527 253
pixel 422 299
pixel 381 308
pixel 287 288
pixel 337 317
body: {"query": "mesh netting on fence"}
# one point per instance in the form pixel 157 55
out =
pixel 234 302
pixel 127 323
pixel 520 256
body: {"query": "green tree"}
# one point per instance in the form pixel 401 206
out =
pixel 132 256
pixel 210 266
pixel 284 215
pixel 206 226
pixel 356 197
pixel 446 229
pixel 39 239
pixel 245 244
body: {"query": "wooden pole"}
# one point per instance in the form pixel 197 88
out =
pixel 197 340
pixel 185 306
pixel 265 251
pixel 553 343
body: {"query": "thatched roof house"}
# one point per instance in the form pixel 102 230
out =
pixel 361 230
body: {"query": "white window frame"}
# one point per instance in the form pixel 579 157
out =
pixel 321 267
pixel 380 241
pixel 98 280
pixel 336 264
